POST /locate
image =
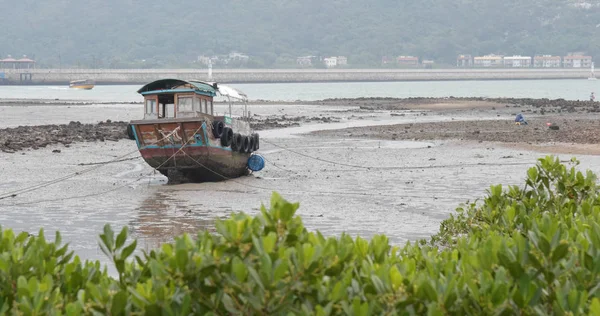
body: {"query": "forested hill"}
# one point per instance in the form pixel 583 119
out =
pixel 120 33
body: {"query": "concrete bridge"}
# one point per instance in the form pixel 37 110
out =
pixel 140 76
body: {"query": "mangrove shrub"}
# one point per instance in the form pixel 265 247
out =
pixel 532 250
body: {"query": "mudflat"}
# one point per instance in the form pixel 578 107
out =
pixel 556 126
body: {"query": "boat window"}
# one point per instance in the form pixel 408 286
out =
pixel 170 110
pixel 197 105
pixel 211 107
pixel 166 110
pixel 185 104
pixel 166 106
pixel 150 109
pixel 204 106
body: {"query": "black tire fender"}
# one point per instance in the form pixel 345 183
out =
pixel 256 141
pixel 236 142
pixel 227 137
pixel 217 128
pixel 250 144
pixel 245 145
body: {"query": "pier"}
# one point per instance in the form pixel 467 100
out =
pixel 140 76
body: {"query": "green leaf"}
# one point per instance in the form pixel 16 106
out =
pixel 127 251
pixel 560 252
pixel 256 278
pixel 229 305
pixel 118 303
pixel 428 290
pixel 121 238
pixel 108 237
pixel 379 287
pixel 280 271
pixel 239 269
pixel 269 242
pixel 396 277
pixel 595 306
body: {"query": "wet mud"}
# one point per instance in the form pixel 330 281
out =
pixel 540 106
pixel 563 129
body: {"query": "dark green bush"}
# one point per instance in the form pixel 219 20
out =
pixel 531 250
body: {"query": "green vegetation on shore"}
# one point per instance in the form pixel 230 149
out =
pixel 530 250
pixel 122 34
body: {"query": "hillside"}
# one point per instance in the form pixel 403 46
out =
pixel 113 33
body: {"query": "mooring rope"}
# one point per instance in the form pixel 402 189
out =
pixel 12 194
pixel 398 167
pixel 111 190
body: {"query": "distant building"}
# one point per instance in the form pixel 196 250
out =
pixel 546 61
pixel 464 61
pixel 517 61
pixel 233 56
pixel 427 63
pixel 330 62
pixel 488 61
pixel 334 61
pixel 305 60
pixel 11 63
pixel 577 60
pixel 386 60
pixel 205 60
pixel 407 60
pixel 223 59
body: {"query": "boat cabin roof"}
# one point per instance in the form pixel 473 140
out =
pixel 169 86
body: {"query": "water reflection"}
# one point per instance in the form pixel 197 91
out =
pixel 161 217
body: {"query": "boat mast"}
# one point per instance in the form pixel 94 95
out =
pixel 229 99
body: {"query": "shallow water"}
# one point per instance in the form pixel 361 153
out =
pixel 569 89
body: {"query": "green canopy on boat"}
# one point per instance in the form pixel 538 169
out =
pixel 163 85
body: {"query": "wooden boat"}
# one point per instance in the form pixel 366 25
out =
pixel 86 84
pixel 181 136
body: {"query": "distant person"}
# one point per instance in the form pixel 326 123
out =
pixel 592 97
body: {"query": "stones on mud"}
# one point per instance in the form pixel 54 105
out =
pixel 56 151
pixel 284 121
pixel 34 137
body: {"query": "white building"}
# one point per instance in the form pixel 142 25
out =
pixel 238 57
pixel 330 62
pixel 305 60
pixel 517 61
pixel 546 61
pixel 488 61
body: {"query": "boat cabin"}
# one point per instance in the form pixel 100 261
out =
pixel 173 98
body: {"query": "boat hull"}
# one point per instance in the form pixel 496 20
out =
pixel 83 87
pixel 187 151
